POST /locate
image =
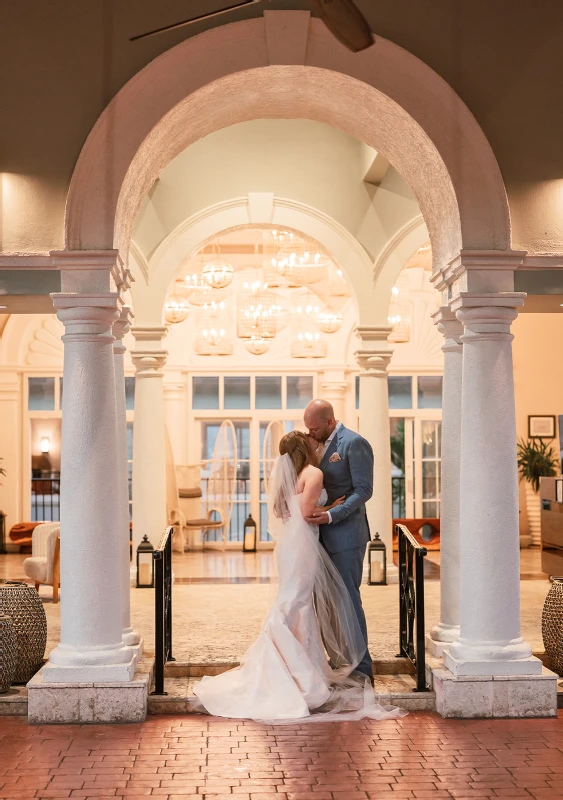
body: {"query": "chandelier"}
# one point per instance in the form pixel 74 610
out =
pixel 260 312
pixel 274 242
pixel 337 283
pixel 176 309
pixel 401 326
pixel 217 272
pixel 199 292
pixel 212 338
pixel 329 320
pixel 302 263
pixel 308 343
pixel 257 345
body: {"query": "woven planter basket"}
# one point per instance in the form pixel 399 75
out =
pixel 552 625
pixel 22 604
pixel 8 653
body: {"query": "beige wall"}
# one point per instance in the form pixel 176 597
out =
pixel 538 374
pixel 66 60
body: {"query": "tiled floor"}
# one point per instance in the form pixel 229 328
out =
pixel 420 756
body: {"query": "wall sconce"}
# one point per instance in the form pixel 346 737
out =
pixel 45 444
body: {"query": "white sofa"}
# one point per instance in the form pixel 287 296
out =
pixel 44 564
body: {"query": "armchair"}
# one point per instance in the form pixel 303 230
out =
pixel 44 564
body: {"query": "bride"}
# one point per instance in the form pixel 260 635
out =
pixel 285 674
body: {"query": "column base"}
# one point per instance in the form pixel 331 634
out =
pixel 486 696
pixel 434 646
pixel 130 637
pixel 90 665
pixel 137 649
pixel 440 637
pixel 482 657
pixel 89 702
pixel 462 667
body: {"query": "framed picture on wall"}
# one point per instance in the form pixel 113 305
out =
pixel 541 427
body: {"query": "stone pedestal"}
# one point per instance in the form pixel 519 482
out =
pixel 447 630
pixel 478 696
pixel 89 702
pixel 373 358
pixel 149 439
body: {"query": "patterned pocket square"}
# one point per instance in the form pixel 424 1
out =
pixel 334 458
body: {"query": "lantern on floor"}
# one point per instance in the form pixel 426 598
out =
pixel 377 559
pixel 249 539
pixel 145 565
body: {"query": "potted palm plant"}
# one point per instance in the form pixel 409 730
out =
pixel 536 459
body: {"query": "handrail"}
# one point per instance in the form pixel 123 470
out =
pixel 411 604
pixel 163 608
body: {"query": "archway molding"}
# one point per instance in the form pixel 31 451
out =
pixel 153 280
pixel 288 65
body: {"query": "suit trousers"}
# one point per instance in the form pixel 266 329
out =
pixel 350 565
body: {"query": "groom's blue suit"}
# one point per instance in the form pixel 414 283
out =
pixel 349 474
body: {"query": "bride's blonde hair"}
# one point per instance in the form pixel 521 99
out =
pixel 296 445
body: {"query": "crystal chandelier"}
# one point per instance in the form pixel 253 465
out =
pixel 329 320
pixel 176 309
pixel 257 345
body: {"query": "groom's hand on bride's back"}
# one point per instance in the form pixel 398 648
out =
pixel 320 517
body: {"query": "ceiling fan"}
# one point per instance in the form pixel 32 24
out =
pixel 343 18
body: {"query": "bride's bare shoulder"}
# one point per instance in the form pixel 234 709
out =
pixel 312 473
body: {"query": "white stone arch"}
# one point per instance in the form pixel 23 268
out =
pixel 391 261
pixel 288 65
pixel 152 280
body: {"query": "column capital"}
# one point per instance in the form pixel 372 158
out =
pixel 472 270
pixel 374 353
pixel 121 327
pixel 149 363
pixel 487 315
pixel 154 334
pixel 451 329
pixel 87 317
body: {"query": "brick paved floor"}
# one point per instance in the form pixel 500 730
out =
pixel 421 756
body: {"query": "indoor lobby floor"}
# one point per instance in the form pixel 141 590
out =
pixel 220 600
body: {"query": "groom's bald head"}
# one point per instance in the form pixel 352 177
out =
pixel 319 419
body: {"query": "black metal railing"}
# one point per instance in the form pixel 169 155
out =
pixel 162 608
pixel 46 498
pixel 411 604
pixel 399 496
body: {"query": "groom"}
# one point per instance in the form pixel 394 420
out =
pixel 346 461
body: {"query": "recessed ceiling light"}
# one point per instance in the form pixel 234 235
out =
pixel 3 306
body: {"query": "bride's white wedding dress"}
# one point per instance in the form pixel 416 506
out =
pixel 285 674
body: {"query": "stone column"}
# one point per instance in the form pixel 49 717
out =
pixel 120 328
pixel 373 358
pixel 176 416
pixel 490 642
pixel 447 630
pixel 149 442
pixel 91 648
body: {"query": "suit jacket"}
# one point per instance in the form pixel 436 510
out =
pixel 352 476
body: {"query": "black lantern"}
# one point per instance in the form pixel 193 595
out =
pixel 249 539
pixel 377 558
pixel 145 565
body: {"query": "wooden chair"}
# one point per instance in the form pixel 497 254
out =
pixel 44 565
